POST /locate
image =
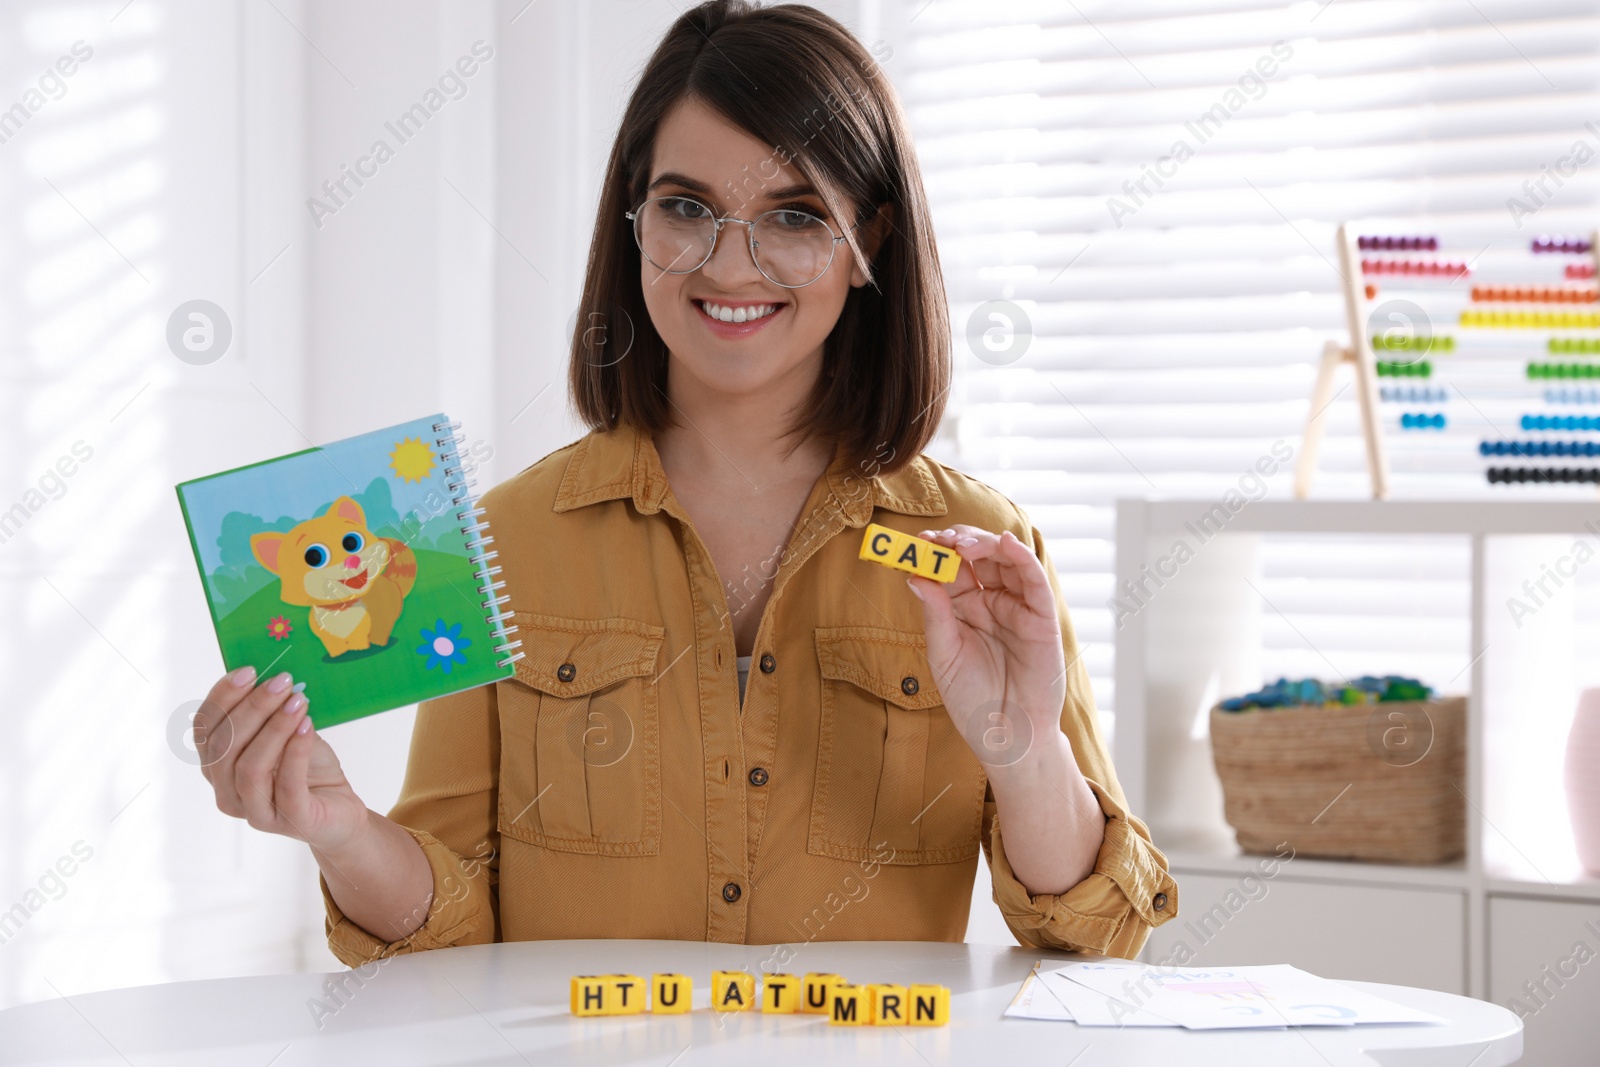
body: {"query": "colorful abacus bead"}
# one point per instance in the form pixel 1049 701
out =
pixel 1368 242
pixel 1560 422
pixel 1548 244
pixel 1545 475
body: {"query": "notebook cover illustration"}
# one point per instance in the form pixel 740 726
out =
pixel 360 567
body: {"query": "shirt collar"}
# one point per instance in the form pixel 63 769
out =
pixel 620 463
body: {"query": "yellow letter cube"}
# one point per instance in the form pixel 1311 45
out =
pixel 732 990
pixel 588 995
pixel 815 1001
pixel 911 554
pixel 928 1005
pixel 849 1005
pixel 780 993
pixel 670 993
pixel 625 994
pixel 888 1004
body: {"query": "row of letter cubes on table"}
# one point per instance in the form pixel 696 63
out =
pixel 844 1003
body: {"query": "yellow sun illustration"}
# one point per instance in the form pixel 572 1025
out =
pixel 412 460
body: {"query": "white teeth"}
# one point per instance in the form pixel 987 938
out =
pixel 739 314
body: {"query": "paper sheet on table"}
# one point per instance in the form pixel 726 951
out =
pixel 1050 996
pixel 1213 998
pixel 1033 1002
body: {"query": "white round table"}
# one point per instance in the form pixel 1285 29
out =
pixel 507 1005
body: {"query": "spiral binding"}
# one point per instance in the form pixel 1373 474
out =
pixel 460 482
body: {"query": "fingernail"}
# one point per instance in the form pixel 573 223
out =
pixel 243 676
pixel 293 705
pixel 299 687
pixel 913 587
pixel 280 683
pixel 304 727
pixel 967 542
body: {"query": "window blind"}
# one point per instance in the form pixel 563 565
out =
pixel 1136 205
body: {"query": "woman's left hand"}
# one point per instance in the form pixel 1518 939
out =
pixel 994 644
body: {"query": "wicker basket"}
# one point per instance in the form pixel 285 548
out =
pixel 1380 782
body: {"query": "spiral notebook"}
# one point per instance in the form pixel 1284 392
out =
pixel 362 568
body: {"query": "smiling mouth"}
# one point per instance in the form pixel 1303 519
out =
pixel 358 582
pixel 734 315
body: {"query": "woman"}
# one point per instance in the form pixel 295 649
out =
pixel 762 355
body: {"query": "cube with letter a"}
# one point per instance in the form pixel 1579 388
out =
pixel 780 994
pixel 888 1003
pixel 670 993
pixel 588 995
pixel 814 993
pixel 913 555
pixel 732 990
pixel 848 1005
pixel 625 994
pixel 928 1005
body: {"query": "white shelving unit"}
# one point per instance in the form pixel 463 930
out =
pixel 1196 635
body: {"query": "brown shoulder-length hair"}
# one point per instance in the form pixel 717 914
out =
pixel 797 80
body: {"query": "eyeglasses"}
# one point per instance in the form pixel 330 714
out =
pixel 677 234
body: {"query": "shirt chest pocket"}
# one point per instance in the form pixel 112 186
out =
pixel 580 752
pixel 893 773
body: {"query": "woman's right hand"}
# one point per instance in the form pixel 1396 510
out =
pixel 269 766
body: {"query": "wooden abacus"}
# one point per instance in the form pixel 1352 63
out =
pixel 1359 352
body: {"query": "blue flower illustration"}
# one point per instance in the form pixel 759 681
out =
pixel 443 646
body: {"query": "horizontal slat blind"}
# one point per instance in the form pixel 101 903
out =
pixel 1176 327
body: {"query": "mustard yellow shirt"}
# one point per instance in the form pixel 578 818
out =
pixel 615 787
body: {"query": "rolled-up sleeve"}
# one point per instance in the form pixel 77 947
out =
pixel 1129 892
pixel 448 806
pixel 1111 912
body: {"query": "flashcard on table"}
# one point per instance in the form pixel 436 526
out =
pixel 1059 997
pixel 910 554
pixel 1033 1001
pixel 1216 998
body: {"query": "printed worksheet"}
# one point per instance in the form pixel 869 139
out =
pixel 1212 998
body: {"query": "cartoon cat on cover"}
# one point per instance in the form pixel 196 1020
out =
pixel 354 583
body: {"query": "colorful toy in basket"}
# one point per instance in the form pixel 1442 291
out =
pixel 1366 689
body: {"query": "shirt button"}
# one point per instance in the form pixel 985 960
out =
pixel 909 686
pixel 730 892
pixel 758 776
pixel 566 672
pixel 1160 901
pixel 768 663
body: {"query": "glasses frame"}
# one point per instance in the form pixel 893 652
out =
pixel 750 236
